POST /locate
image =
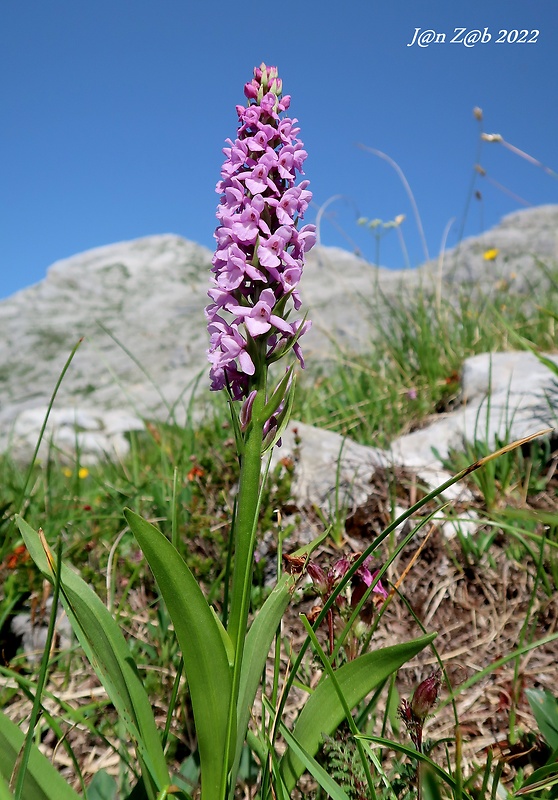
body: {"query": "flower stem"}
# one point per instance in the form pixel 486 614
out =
pixel 245 526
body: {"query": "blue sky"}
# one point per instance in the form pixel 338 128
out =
pixel 114 113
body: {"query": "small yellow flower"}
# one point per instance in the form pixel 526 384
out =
pixel 82 473
pixel 490 255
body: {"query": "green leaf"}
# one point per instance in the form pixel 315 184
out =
pixel 282 421
pixel 258 643
pixel 278 394
pixel 5 793
pixel 225 638
pixel 327 783
pixel 102 787
pixel 42 781
pixel 541 778
pixel 430 785
pixel 323 711
pixel 256 649
pixel 206 663
pixel 109 654
pixel 545 709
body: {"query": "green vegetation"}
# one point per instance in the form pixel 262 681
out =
pixel 492 597
pixel 412 368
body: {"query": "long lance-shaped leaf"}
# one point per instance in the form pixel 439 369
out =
pixel 323 711
pixel 18 778
pixel 5 793
pixel 258 644
pixel 545 709
pixel 256 649
pixel 107 650
pixel 542 778
pixel 206 663
pixel 42 781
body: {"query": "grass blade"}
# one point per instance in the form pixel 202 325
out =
pixel 414 754
pixel 326 782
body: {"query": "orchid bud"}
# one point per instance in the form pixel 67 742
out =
pixel 246 411
pixel 426 695
pixel 319 577
pixel 251 90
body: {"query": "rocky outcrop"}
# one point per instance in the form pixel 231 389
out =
pixel 139 308
pixel 95 435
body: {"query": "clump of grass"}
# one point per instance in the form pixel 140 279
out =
pixel 412 367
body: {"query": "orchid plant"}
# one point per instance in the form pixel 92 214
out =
pixel 256 270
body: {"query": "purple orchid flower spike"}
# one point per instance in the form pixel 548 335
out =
pixel 260 251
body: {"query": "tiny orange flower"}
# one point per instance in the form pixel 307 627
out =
pixel 195 472
pixel 18 556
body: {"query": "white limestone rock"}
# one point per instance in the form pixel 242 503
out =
pixel 72 433
pixel 517 372
pixel 139 300
pixel 506 396
pixel 330 471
